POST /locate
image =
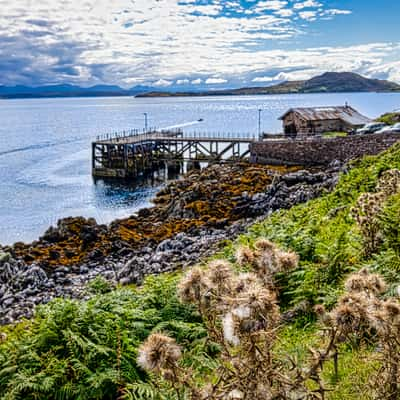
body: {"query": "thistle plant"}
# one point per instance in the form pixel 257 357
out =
pixel 363 313
pixel 369 206
pixel 242 316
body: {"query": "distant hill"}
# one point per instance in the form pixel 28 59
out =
pixel 330 82
pixel 326 83
pixel 16 92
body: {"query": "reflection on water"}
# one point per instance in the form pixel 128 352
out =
pixel 120 193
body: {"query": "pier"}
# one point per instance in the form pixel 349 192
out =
pixel 130 154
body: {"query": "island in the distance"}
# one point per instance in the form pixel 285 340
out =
pixel 329 82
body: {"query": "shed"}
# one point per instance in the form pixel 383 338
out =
pixel 317 120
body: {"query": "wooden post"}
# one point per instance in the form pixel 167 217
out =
pixel 93 156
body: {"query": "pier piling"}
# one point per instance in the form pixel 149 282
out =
pixel 130 154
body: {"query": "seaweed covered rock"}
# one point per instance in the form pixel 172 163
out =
pixel 202 198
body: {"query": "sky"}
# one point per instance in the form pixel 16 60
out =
pixel 195 43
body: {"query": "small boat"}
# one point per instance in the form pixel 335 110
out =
pixel 200 120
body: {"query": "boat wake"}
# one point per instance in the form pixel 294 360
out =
pixel 38 146
pixel 183 124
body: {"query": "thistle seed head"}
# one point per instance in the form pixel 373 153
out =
pixel 364 281
pixel 376 284
pixel 245 256
pixel 347 317
pixel 391 309
pixel 355 283
pixel 158 352
pixel 264 245
pixel 192 286
pixel 244 281
pixel 219 272
pixel 287 260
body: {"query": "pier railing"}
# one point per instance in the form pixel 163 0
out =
pixel 148 134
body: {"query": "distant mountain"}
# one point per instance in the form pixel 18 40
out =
pixel 326 83
pixel 66 90
pixel 347 82
pixel 329 82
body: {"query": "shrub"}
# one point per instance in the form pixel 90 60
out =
pixel 88 350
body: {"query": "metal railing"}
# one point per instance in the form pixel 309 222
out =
pixel 117 136
pixel 125 134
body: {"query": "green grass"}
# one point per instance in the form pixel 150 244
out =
pixel 334 134
pixel 87 349
pixel 390 118
pixel 356 368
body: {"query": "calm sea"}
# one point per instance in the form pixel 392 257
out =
pixel 45 148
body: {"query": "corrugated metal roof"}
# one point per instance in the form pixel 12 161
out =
pixel 344 113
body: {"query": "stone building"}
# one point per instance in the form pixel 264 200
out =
pixel 317 120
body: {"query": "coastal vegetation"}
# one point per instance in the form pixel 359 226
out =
pixel 390 118
pixel 327 278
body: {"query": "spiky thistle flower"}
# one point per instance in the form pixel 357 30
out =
pixel 389 182
pixel 244 281
pixel 192 286
pixel 264 245
pixel 363 281
pixel 245 256
pixel 220 273
pixel 355 283
pixel 323 315
pixel 319 309
pixel 158 352
pixel 286 260
pixel 347 318
pixel 376 284
pixel 266 265
pixel 263 311
pixel 379 321
pixel 392 310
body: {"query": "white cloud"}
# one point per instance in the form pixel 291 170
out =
pixel 389 70
pixel 162 83
pixel 264 79
pixel 206 9
pixel 212 81
pixel 335 11
pixel 308 15
pixel 182 82
pixel 270 5
pixel 145 41
pixel 290 76
pixel 284 12
pixel 306 4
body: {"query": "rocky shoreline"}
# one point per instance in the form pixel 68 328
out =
pixel 190 221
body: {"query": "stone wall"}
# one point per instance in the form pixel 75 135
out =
pixel 320 151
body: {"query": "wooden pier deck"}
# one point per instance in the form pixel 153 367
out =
pixel 130 154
